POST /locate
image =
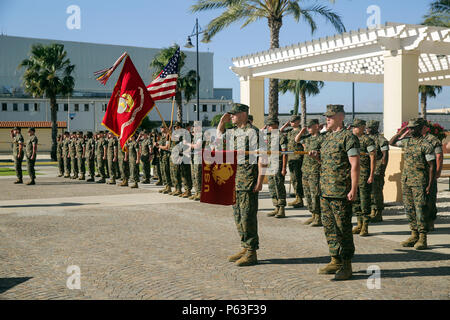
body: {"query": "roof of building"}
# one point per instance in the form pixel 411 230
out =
pixel 35 124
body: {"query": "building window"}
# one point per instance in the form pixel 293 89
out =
pixel 77 107
pixel 15 107
pixel 66 107
pixel 57 107
pixel 213 108
pixel 104 105
pixel 205 108
pixel 4 107
pixel 195 108
pixel 26 107
pixel 36 107
pixel 86 107
pixel 222 108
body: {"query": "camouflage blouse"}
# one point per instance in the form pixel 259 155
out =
pixel 335 176
pixel 17 140
pixel 89 148
pixel 417 152
pixel 381 144
pixel 367 145
pixel 292 145
pixel 246 139
pixel 29 147
pixel 311 143
pixel 133 149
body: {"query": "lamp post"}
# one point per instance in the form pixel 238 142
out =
pixel 190 45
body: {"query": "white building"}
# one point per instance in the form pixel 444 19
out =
pixel 86 108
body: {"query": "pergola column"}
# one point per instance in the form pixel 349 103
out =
pixel 401 83
pixel 252 94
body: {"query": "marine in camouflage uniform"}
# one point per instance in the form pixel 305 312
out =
pixel 65 153
pixel 437 146
pixel 247 185
pixel 111 155
pixel 89 156
pixel 277 188
pixel 196 166
pixel 145 150
pixel 18 153
pixel 132 154
pixel 382 158
pixel 186 176
pixel 362 204
pixel 311 171
pixel 80 149
pixel 31 153
pixel 59 155
pixel 295 161
pixel 100 153
pixel 164 155
pixel 73 156
pixel 175 168
pixel 417 180
pixel 156 158
pixel 339 153
pixel 124 166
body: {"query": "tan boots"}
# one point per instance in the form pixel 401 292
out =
pixel 243 258
pixel 376 216
pixel 357 229
pixel 237 256
pixel 345 272
pixel 297 203
pixel 281 214
pixel 332 267
pixel 412 240
pixel 422 243
pixel 274 212
pixel 317 220
pixel 309 220
pixel 124 183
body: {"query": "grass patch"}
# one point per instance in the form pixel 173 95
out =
pixel 4 172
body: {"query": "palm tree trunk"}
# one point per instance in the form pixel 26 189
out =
pixel 296 96
pixel 423 104
pixel 179 102
pixel 53 114
pixel 275 26
pixel 303 102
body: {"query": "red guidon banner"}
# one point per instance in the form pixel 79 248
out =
pixel 218 179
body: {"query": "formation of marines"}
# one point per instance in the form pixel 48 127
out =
pixel 339 172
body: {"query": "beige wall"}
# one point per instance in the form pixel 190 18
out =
pixel 44 135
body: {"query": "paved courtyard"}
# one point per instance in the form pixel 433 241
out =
pixel 139 244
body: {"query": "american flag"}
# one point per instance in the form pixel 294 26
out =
pixel 165 85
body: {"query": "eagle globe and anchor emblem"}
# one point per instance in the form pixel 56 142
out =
pixel 126 103
pixel 221 173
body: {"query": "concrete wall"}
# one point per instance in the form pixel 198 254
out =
pixel 43 134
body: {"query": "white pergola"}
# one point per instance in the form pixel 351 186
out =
pixel 399 55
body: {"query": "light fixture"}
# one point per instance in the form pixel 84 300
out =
pixel 189 43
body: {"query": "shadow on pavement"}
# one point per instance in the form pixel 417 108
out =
pixel 8 283
pixel 64 204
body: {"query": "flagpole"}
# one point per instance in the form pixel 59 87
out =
pixel 173 105
pixel 164 123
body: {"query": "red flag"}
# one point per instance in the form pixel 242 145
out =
pixel 218 181
pixel 129 104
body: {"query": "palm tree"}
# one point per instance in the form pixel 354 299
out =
pixel 274 11
pixel 425 93
pixel 186 83
pixel 439 15
pixel 48 72
pixel 301 89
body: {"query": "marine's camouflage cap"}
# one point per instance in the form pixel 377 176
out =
pixel 373 124
pixel 358 123
pixel 31 129
pixel 416 122
pixel 333 109
pixel 294 117
pixel 312 122
pixel 238 107
pixel 271 121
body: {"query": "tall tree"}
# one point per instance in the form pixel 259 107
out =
pixel 439 15
pixel 186 83
pixel 425 93
pixel 301 89
pixel 48 72
pixel 273 11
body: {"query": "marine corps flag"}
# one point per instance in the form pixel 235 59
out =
pixel 218 180
pixel 129 103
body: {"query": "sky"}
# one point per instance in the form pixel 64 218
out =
pixel 158 24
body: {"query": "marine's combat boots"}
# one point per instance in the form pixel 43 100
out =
pixel 309 220
pixel 357 229
pixel 186 194
pixel 18 181
pixel 134 186
pixel 412 240
pixel 91 179
pixel 422 243
pixel 317 220
pixel 177 192
pixel 31 182
pixel 124 183
pixel 158 183
pixel 274 212
pixel 332 267
pixel 112 181
pixel 249 259
pixel 83 177
pixel 198 196
pixel 102 180
pixel 168 190
pixel 364 229
pixel 345 272
pixel 237 256
pixel 297 203
pixel 281 213
pixel 377 217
